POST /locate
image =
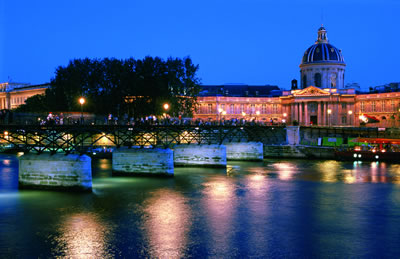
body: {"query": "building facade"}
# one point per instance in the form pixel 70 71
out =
pixel 13 95
pixel 322 99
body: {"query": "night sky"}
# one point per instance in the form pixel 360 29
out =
pixel 234 41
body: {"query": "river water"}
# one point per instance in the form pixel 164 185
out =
pixel 274 208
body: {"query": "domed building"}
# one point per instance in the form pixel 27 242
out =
pixel 322 65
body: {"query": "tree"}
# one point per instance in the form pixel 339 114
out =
pixel 138 87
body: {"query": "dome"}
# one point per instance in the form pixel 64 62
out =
pixel 322 51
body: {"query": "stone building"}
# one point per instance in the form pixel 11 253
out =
pixel 13 95
pixel 322 99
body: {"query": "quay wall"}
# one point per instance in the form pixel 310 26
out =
pixel 298 151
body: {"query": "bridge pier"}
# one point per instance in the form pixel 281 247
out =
pixel 142 161
pixel 200 155
pixel 55 172
pixel 244 151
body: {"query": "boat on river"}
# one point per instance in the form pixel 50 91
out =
pixel 371 149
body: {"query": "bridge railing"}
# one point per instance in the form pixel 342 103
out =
pixel 78 138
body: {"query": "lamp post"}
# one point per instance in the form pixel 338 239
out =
pixel 223 115
pixel 350 113
pixel 329 117
pixel 219 115
pixel 82 101
pixel 284 117
pixel 257 115
pixel 166 108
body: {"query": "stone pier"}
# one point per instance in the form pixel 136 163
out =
pixel 142 161
pixel 200 155
pixel 244 151
pixel 55 172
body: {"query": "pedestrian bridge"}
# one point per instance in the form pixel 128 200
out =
pixel 146 149
pixel 78 138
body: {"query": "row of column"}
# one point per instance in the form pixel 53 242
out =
pixel 301 113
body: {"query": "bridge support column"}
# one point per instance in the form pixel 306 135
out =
pixel 142 161
pixel 56 172
pixel 200 155
pixel 244 151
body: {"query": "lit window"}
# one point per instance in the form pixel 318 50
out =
pixel 264 109
pixel 275 108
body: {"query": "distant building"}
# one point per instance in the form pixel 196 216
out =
pixel 323 98
pixel 13 95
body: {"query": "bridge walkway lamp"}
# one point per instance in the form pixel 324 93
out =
pixel 329 117
pixel 350 113
pixel 166 108
pixel 82 101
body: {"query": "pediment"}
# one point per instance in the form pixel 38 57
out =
pixel 311 91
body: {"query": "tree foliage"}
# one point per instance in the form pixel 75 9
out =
pixel 137 87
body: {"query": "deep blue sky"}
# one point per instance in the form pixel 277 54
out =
pixel 233 41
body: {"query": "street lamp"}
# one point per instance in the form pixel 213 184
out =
pixel 223 114
pixel 166 106
pixel 350 113
pixel 82 101
pixel 284 117
pixel 257 114
pixel 329 116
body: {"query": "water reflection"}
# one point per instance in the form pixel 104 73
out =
pixel 286 170
pixel 394 170
pixel 258 214
pixel 329 170
pixel 83 235
pixel 167 224
pixel 219 203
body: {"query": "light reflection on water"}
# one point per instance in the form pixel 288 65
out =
pixel 83 235
pixel 276 208
pixel 219 203
pixel 167 223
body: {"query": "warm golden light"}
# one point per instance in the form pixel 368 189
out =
pixel 223 112
pixel 220 110
pixel 329 111
pixel 243 114
pixel 83 236
pixel 82 100
pixel 350 112
pixel 258 112
pixel 167 224
pixel 284 114
pixel 166 106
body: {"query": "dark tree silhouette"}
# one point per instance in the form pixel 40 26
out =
pixel 137 87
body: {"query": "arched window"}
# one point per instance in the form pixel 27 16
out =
pixel 304 82
pixel 317 80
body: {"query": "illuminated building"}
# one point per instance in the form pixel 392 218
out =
pixel 321 100
pixel 13 95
